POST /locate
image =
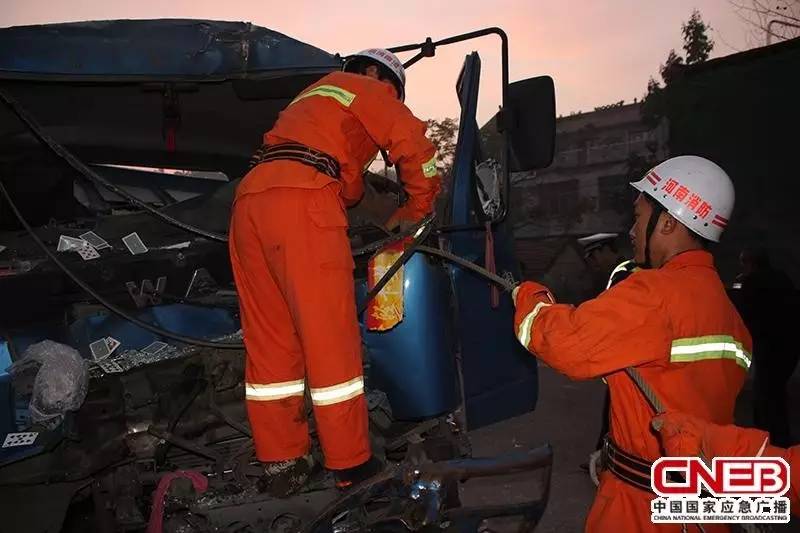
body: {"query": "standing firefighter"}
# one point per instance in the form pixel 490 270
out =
pixel 294 271
pixel 672 321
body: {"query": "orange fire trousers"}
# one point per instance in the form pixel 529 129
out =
pixel 294 274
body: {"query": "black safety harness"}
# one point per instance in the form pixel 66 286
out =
pixel 300 153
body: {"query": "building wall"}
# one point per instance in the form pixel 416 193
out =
pixel 586 190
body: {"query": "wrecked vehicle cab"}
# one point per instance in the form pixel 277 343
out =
pixel 121 145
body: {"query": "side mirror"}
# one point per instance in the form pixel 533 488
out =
pixel 530 117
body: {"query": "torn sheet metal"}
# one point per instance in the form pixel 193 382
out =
pixel 134 244
pixel 201 282
pixel 146 293
pixel 385 311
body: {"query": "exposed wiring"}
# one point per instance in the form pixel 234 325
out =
pixel 421 233
pixel 93 176
pixel 105 303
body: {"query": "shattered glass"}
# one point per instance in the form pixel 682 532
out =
pixel 489 191
pixel 156 352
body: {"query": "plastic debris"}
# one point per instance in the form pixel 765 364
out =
pixel 20 439
pixel 134 244
pixel 2 248
pixel 60 384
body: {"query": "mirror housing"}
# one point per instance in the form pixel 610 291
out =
pixel 530 118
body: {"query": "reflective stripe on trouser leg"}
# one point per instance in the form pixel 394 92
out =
pixel 274 368
pixel 265 392
pixel 321 295
pixel 338 393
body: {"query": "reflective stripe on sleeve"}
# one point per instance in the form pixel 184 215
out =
pixel 330 91
pixel 694 349
pixel 525 331
pixel 429 167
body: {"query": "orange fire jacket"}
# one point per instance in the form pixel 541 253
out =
pixel 349 117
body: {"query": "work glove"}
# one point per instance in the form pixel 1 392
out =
pixel 529 293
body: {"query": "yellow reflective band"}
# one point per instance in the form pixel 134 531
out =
pixel 338 393
pixel 429 167
pixel 331 91
pixel 274 391
pixel 525 331
pixel 695 349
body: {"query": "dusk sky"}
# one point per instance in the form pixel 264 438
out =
pixel 597 52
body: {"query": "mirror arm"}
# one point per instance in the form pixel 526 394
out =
pixel 428 49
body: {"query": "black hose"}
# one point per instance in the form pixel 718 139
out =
pixel 93 176
pixel 105 303
pixel 62 152
pixel 424 228
pixel 392 237
pixel 494 278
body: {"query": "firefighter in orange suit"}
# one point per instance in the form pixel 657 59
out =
pixel 687 436
pixel 293 268
pixel 672 321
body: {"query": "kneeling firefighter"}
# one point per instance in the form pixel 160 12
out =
pixel 672 321
pixel 293 268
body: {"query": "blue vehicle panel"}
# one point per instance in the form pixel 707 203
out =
pixel 413 363
pixel 184 49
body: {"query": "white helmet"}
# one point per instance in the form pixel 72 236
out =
pixel 694 190
pixel 387 59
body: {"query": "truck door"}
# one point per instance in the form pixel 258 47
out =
pixel 500 378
